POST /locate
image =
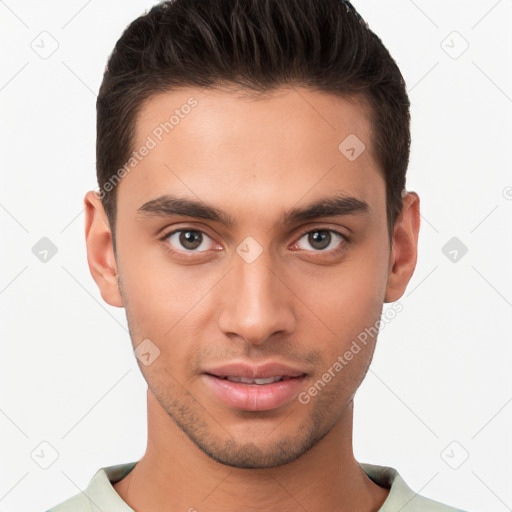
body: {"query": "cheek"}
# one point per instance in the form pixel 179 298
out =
pixel 166 303
pixel 158 291
pixel 349 297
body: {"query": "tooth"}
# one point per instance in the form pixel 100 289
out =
pixel 268 380
pixel 260 381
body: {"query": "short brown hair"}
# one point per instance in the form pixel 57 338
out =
pixel 258 45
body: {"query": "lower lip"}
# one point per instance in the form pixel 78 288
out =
pixel 255 397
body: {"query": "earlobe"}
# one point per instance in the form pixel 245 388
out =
pixel 404 251
pixel 100 250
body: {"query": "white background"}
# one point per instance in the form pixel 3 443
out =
pixel 441 371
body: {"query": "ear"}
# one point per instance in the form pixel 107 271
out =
pixel 404 249
pixel 100 250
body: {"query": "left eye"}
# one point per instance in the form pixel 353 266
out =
pixel 322 239
pixel 188 239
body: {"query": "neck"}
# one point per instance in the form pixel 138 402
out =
pixel 174 474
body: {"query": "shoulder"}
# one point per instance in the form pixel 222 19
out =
pixel 401 496
pixel 78 503
pixel 100 494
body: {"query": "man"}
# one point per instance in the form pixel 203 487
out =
pixel 252 219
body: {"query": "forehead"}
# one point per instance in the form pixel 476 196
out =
pixel 256 152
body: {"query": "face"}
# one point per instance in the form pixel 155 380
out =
pixel 251 298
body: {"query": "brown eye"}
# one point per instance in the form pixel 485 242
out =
pixel 190 239
pixel 183 240
pixel 321 240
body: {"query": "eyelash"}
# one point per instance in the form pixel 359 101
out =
pixel 333 252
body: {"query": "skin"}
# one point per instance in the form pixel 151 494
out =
pixel 297 303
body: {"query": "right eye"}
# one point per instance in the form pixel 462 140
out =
pixel 188 240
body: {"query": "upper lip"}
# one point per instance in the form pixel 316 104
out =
pixel 251 371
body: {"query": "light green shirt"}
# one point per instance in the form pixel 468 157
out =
pixel 100 495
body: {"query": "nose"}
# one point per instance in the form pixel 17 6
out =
pixel 256 303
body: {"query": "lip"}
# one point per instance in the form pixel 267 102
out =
pixel 254 397
pixel 251 371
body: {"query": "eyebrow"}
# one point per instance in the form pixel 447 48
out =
pixel 168 205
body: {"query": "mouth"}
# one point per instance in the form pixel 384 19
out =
pixel 257 381
pixel 255 388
